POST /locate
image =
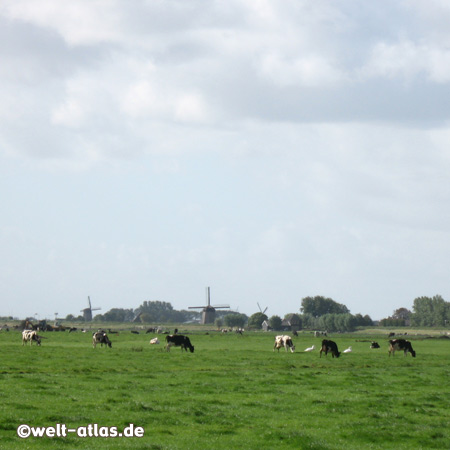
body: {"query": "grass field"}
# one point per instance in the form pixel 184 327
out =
pixel 233 392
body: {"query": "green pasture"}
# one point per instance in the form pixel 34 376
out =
pixel 233 392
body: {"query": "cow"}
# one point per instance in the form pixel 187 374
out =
pixel 30 336
pixel 329 346
pixel 100 337
pixel 284 341
pixel 401 344
pixel 178 340
pixel 374 345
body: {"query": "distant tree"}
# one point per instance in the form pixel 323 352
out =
pixel 318 306
pixel 275 322
pixel 218 322
pixel 118 315
pixel 402 313
pixel 70 318
pixel 391 322
pixel 363 321
pixel 368 321
pixel 235 320
pixel 146 317
pixel 256 320
pixel 161 312
pixel 430 312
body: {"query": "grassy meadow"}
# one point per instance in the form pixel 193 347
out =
pixel 233 392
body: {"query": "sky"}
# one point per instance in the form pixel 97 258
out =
pixel 270 150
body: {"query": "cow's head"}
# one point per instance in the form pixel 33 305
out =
pixel 191 348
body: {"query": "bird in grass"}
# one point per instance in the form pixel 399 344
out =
pixel 310 349
pixel 347 350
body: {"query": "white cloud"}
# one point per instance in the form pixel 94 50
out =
pixel 309 71
pixel 296 144
pixel 409 60
pixel 80 22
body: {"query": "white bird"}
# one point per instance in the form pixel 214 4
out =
pixel 310 349
pixel 347 350
pixel 154 341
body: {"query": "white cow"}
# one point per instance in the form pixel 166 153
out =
pixel 284 341
pixel 30 336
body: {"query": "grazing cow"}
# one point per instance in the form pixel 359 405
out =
pixel 179 340
pixel 329 346
pixel 374 345
pixel 100 337
pixel 284 341
pixel 30 336
pixel 154 341
pixel 135 332
pixel 401 344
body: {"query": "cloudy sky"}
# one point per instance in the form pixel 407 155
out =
pixel 271 150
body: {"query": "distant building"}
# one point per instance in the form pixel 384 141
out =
pixel 291 322
pixel 265 326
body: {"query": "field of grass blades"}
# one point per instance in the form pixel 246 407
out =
pixel 233 392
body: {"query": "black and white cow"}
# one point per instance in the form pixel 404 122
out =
pixel 374 345
pixel 100 337
pixel 179 340
pixel 30 336
pixel 283 341
pixel 329 346
pixel 401 344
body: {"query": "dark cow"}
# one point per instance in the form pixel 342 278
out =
pixel 179 340
pixel 401 344
pixel 374 345
pixel 100 337
pixel 329 346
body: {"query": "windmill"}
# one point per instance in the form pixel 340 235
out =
pixel 209 311
pixel 87 312
pixel 261 309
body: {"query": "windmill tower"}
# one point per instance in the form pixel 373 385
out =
pixel 209 311
pixel 87 312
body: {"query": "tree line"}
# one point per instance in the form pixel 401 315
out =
pixel 426 312
pixel 320 313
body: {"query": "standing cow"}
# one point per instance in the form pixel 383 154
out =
pixel 329 346
pixel 30 336
pixel 401 344
pixel 100 337
pixel 284 341
pixel 178 340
